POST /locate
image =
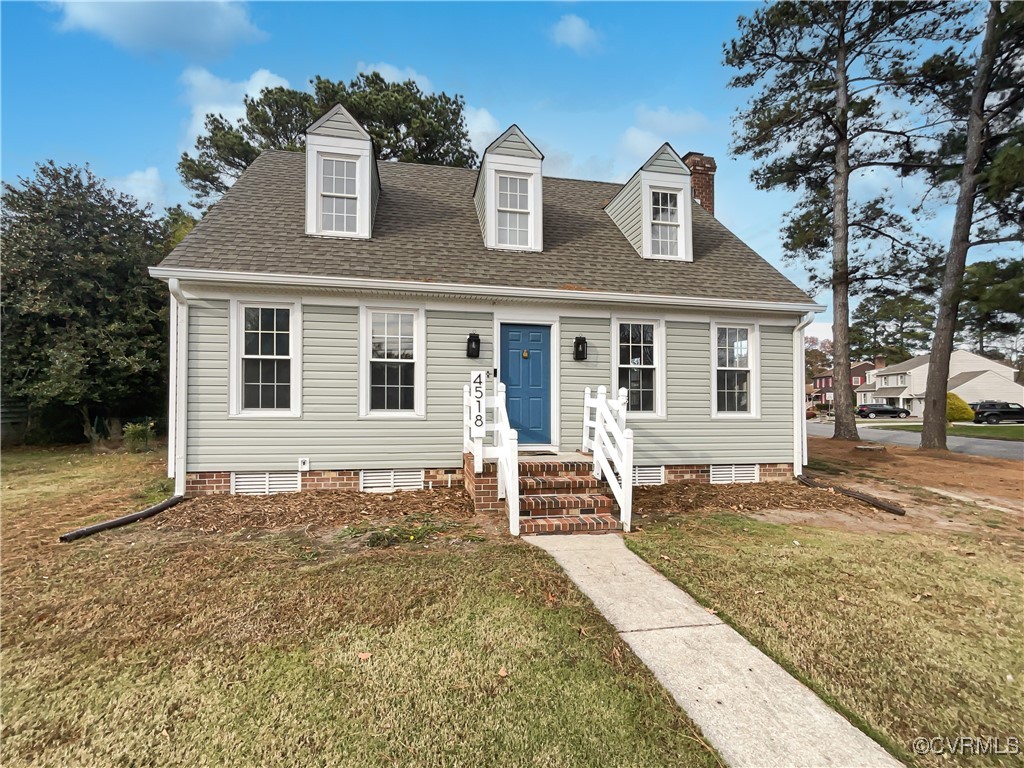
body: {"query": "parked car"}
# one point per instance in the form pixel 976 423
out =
pixel 874 410
pixel 993 412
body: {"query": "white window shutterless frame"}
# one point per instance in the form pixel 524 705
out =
pixel 735 366
pixel 392 362
pixel 265 359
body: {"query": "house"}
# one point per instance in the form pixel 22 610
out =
pixel 330 312
pixel 824 382
pixel 971 376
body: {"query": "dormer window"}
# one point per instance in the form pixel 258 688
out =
pixel 342 185
pixel 338 200
pixel 509 193
pixel 513 210
pixel 664 223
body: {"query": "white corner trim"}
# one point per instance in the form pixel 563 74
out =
pixel 799 398
pixel 554 322
pixel 320 147
pixel 179 422
pixel 235 342
pixel 651 181
pixel 285 280
pixel 660 364
pixel 754 362
pixel 419 330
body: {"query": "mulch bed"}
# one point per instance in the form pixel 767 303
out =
pixel 326 509
pixel 653 503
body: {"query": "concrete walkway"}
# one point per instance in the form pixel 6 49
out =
pixel 754 713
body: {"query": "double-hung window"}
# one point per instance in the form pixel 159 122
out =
pixel 393 364
pixel 338 198
pixel 664 223
pixel 734 381
pixel 264 372
pixel 637 365
pixel 513 210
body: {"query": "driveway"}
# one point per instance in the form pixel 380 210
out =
pixel 998 449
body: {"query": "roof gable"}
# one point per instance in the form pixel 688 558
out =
pixel 515 143
pixel 666 160
pixel 340 123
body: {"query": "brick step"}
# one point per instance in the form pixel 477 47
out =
pixel 535 505
pixel 554 524
pixel 559 484
pixel 528 468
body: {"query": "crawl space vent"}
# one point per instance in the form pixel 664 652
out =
pixel 734 473
pixel 262 483
pixel 649 475
pixel 388 480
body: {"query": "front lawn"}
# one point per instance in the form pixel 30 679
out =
pixel 201 642
pixel 983 431
pixel 909 634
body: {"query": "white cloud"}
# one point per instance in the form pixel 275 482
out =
pixel 205 93
pixel 206 29
pixel 481 126
pixel 819 330
pixel 568 166
pixel 573 32
pixel 394 74
pixel 146 186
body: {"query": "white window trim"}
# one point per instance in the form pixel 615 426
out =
pixel 529 168
pixel 544 318
pixel 498 210
pixel 754 363
pixel 359 196
pixel 236 328
pixel 333 147
pixel 679 185
pixel 419 410
pixel 660 363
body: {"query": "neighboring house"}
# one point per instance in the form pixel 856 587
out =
pixel 971 376
pixel 824 382
pixel 328 312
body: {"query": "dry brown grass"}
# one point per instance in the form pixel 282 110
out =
pixel 175 646
pixel 910 631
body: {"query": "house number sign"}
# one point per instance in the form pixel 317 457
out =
pixel 477 391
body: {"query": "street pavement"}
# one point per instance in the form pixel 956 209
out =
pixel 975 446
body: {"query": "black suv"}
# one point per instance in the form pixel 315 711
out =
pixel 874 410
pixel 994 411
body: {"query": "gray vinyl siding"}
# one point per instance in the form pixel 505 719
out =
pixel 514 145
pixel 664 162
pixel 332 435
pixel 480 198
pixel 688 434
pixel 626 210
pixel 340 126
pixel 330 431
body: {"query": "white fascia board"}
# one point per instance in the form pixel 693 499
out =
pixel 485 291
pixel 360 151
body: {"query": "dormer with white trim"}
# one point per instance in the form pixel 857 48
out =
pixel 342 186
pixel 653 209
pixel 509 194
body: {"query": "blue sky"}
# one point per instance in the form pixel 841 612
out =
pixel 598 87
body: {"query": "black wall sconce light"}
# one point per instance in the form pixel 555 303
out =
pixel 579 348
pixel 473 345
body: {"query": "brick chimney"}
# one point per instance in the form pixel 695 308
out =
pixel 703 180
pixel 879 362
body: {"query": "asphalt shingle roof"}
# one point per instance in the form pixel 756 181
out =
pixel 906 365
pixel 962 378
pixel 426 229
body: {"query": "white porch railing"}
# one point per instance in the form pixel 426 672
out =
pixel 503 450
pixel 612 445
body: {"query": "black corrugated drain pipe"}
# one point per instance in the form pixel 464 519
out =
pixel 117 522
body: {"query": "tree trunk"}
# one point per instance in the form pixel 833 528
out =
pixel 933 432
pixel 88 428
pixel 114 430
pixel 846 421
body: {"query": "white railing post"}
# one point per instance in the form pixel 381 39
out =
pixel 467 444
pixel 512 481
pixel 599 408
pixel 626 474
pixel 623 406
pixel 587 442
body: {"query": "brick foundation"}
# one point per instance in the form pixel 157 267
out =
pixel 482 488
pixel 206 483
pixel 701 473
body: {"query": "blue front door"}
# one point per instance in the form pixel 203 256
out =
pixel 526 373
